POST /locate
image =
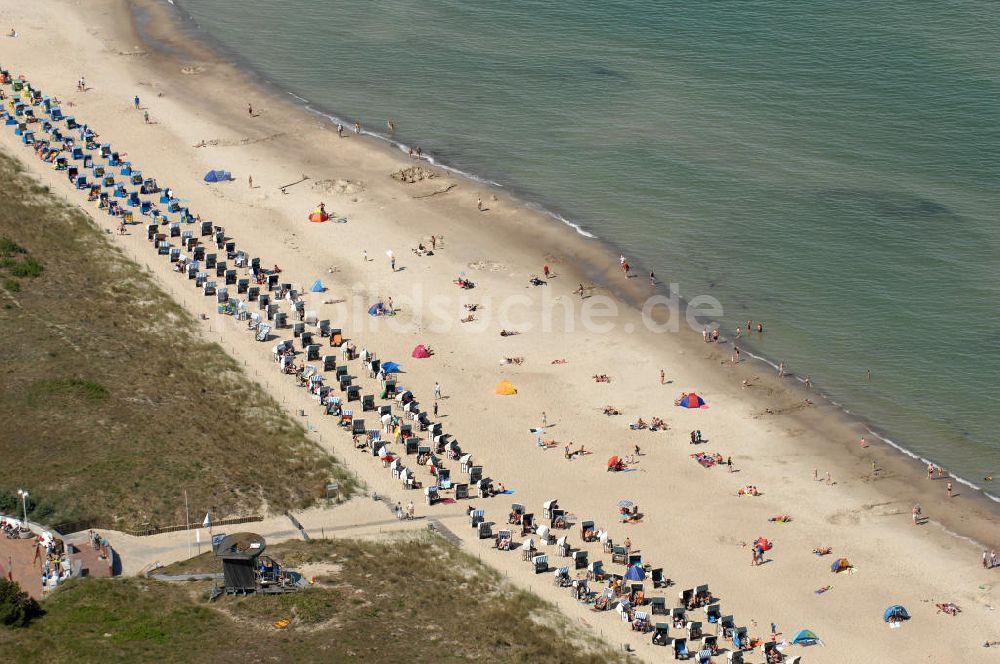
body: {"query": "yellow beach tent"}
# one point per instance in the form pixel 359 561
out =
pixel 505 388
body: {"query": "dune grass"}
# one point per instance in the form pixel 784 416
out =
pixel 417 599
pixel 112 406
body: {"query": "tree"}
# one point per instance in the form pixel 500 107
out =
pixel 17 608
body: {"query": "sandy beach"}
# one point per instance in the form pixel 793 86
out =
pixel 695 525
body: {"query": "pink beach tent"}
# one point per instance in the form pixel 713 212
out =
pixel 420 352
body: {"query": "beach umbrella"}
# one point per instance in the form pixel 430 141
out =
pixel 613 461
pixel 318 217
pixel 624 503
pixel 839 565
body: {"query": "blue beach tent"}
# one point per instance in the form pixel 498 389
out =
pixel 218 176
pixel 805 637
pixel 317 287
pixel 635 573
pixel 895 611
pixel 390 367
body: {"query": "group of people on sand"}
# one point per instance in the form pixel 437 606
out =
pixel 655 424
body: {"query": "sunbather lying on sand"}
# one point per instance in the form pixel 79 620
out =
pixel 638 425
pixel 823 550
pixel 558 362
pixel 471 307
pixel 948 607
pixel 512 360
pixel 508 333
pixel 468 319
pixel 656 424
pixel 601 378
pixel 611 410
pixel 748 490
pixel 781 518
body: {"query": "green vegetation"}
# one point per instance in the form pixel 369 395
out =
pixel 410 600
pixel 17 609
pixel 15 261
pixel 112 405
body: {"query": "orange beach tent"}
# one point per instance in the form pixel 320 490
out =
pixel 505 388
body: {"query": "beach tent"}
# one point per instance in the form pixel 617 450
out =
pixel 317 287
pixel 762 543
pixel 613 461
pixel 635 573
pixel 218 176
pixel 376 309
pixel 805 637
pixel 318 217
pixel 839 565
pixel 420 352
pixel 895 611
pixel 505 388
pixel 691 400
pixel 390 367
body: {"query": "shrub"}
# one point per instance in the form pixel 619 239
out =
pixel 17 608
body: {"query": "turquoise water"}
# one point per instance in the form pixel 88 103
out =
pixel 829 168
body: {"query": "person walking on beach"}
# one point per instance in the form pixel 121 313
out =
pixel 739 332
pixel 250 181
pixel 545 270
pixel 420 152
pixel 736 355
pixel 808 383
pixel 340 130
pixel 663 377
pixel 364 255
pixel 781 369
pixel 949 490
pixel 409 510
pixel 729 463
pixel 993 558
pixel 862 442
pixel 940 472
pixel 930 471
pixel 545 420
pixel 437 390
pixel 479 203
pixel 145 115
pixel 652 278
pixel 435 409
pixel 357 127
pixel 136 102
pixel 581 291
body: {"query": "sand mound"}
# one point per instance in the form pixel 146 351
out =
pixel 414 174
pixel 347 187
pixel 489 266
